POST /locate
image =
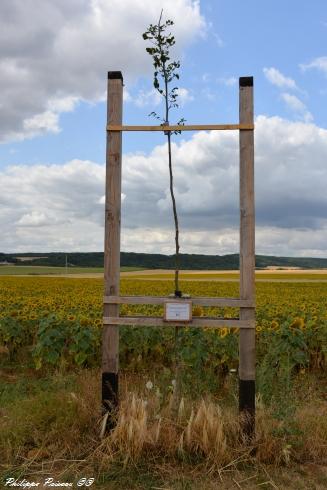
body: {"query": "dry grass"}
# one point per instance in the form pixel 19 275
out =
pixel 61 431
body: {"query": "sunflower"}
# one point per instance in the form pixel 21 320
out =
pixel 298 322
pixel 197 311
pixel 223 332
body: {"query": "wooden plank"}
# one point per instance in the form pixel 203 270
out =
pixel 110 337
pixel 186 127
pixel 196 322
pixel 247 257
pixel 247 246
pixel 198 301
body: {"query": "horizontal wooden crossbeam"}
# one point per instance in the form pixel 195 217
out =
pixel 199 301
pixel 186 127
pixel 195 322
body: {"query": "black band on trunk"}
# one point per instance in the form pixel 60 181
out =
pixel 115 75
pixel 246 82
pixel 247 405
pixel 247 394
pixel 110 391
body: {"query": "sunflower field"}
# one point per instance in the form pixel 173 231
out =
pixel 56 323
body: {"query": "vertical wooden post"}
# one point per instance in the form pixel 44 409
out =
pixel 110 336
pixel 247 258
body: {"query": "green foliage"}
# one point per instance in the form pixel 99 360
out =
pixel 12 335
pixel 65 343
pixel 200 350
pixel 316 337
pixel 165 70
pixel 141 346
pixel 51 343
pixel 282 354
pixel 84 344
pixel 160 55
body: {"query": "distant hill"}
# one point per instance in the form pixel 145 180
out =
pixel 159 261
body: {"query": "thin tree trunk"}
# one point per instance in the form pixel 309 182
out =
pixel 177 292
pixel 178 362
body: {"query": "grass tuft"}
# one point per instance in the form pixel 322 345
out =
pixel 60 430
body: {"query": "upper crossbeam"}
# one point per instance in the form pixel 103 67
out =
pixel 186 127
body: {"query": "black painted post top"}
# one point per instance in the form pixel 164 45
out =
pixel 246 82
pixel 115 75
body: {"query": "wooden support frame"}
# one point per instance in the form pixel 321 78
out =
pixel 154 321
pixel 247 257
pixel 198 301
pixel 181 127
pixel 110 334
pixel 112 299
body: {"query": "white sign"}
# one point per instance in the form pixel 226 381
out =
pixel 178 311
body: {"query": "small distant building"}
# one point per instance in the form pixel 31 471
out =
pixel 29 259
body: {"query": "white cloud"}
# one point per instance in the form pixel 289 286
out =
pixel 126 95
pixel 296 105
pixel 61 207
pixel 58 54
pixel 184 96
pixel 229 81
pixel 220 43
pixel 218 40
pixel 41 123
pixel 35 218
pixel 291 242
pixel 293 102
pixel 275 77
pixel 206 77
pixel 209 94
pixel 148 98
pixel 149 240
pixel 63 104
pixel 318 63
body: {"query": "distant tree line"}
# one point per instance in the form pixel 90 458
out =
pixel 159 261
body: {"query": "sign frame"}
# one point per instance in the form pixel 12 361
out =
pixel 173 304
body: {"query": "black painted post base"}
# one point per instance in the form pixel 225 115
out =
pixel 247 407
pixel 110 398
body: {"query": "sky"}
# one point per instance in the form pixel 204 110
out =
pixel 54 59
